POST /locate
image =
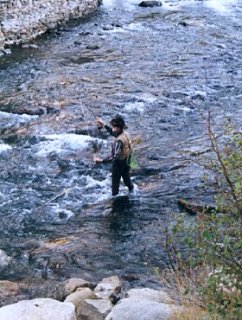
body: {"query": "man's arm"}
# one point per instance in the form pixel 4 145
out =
pixel 116 150
pixel 102 124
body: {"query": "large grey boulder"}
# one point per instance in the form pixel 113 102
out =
pixel 80 295
pixel 39 309
pixel 93 309
pixel 108 287
pixel 135 309
pixel 72 284
pixel 150 294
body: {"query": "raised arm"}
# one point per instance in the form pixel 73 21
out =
pixel 102 124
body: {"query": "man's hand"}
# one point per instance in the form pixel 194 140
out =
pixel 100 122
pixel 97 159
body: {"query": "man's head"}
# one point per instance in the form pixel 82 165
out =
pixel 118 124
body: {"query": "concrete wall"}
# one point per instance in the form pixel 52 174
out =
pixel 22 20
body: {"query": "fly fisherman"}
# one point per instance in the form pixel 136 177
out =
pixel 121 149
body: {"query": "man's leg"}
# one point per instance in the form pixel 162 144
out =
pixel 126 177
pixel 116 176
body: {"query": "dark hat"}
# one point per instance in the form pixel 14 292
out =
pixel 118 122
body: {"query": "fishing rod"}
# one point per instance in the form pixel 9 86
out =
pixel 67 190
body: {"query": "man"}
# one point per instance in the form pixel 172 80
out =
pixel 121 149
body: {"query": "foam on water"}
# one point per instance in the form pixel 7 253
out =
pixel 10 119
pixel 4 147
pixel 221 6
pixel 62 213
pixel 126 3
pixel 225 7
pixel 136 107
pixel 60 143
pixel 104 188
pixel 6 115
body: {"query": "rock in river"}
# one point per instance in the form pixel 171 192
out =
pixel 148 3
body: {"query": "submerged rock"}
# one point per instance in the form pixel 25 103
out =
pixel 148 3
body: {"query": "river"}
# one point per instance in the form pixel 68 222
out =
pixel 162 68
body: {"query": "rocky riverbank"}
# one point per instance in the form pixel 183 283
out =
pixel 22 21
pixel 78 299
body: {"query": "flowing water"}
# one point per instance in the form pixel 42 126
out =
pixel 162 68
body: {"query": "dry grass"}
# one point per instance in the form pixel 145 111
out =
pixel 183 287
pixel 192 313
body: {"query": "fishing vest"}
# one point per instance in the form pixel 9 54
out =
pixel 126 147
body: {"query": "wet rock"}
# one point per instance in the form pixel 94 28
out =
pixel 145 171
pixel 107 28
pixel 191 23
pixel 153 157
pixel 108 287
pixel 174 167
pixel 194 208
pixel 92 47
pixel 47 309
pixel 183 23
pixel 117 25
pixel 4 259
pixel 84 34
pixel 81 60
pixel 6 51
pixel 146 4
pixel 77 43
pixel 131 277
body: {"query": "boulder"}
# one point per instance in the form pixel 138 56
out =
pixel 108 287
pixel 41 309
pixel 133 309
pixel 147 3
pixel 72 284
pixel 150 294
pixel 93 309
pixel 80 295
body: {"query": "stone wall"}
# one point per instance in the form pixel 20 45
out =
pixel 23 20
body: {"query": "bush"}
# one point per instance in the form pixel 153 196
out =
pixel 212 263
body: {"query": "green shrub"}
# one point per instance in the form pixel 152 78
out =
pixel 213 241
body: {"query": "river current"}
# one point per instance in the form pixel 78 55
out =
pixel 163 69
